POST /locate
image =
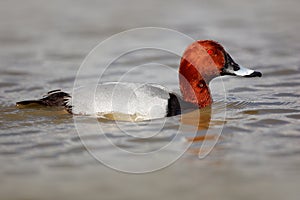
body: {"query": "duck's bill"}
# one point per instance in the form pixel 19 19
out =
pixel 233 69
pixel 240 71
pixel 245 72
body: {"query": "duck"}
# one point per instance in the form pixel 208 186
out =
pixel 202 61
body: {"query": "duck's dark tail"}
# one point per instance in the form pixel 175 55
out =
pixel 52 98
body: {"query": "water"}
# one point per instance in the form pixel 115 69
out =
pixel 257 155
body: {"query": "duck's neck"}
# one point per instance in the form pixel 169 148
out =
pixel 196 92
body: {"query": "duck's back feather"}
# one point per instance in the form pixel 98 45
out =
pixel 145 101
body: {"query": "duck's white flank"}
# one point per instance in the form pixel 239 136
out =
pixel 144 101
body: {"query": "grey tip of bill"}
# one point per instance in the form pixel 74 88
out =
pixel 255 74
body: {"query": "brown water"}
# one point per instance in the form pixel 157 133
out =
pixel 257 156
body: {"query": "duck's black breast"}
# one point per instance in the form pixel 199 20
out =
pixel 173 106
pixel 177 106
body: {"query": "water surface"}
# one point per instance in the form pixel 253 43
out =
pixel 257 155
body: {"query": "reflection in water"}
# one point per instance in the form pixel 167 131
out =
pixel 198 118
pixel 209 128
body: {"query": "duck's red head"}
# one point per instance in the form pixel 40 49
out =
pixel 201 62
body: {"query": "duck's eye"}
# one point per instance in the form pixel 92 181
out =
pixel 210 52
